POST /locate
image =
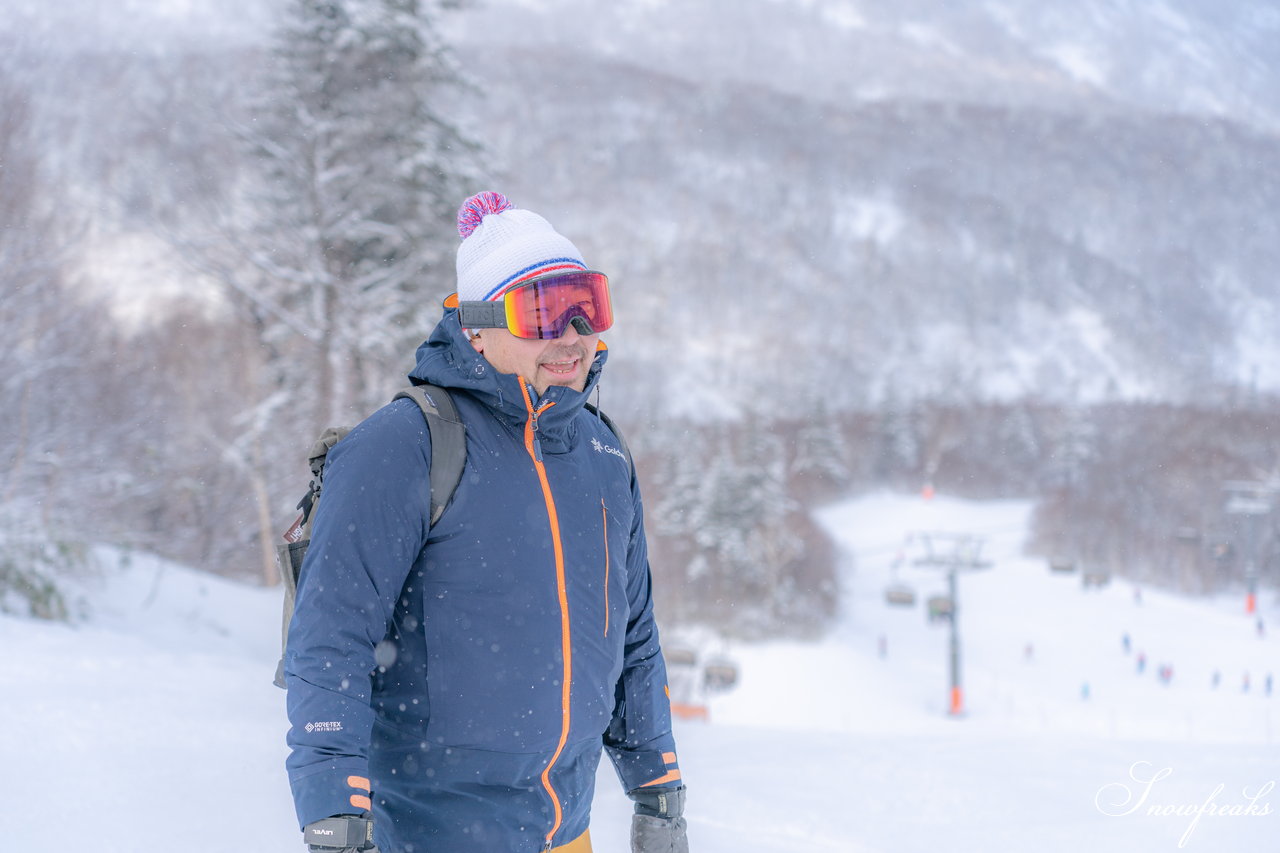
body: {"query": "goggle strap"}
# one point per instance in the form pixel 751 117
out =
pixel 482 315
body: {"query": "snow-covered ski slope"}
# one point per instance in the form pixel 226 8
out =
pixel 153 726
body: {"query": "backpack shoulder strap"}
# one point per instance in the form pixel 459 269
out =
pixel 448 442
pixel 617 433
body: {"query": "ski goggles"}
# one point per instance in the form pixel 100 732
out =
pixel 545 307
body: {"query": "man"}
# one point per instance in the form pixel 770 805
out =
pixel 452 686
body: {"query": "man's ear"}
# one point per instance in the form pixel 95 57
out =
pixel 477 342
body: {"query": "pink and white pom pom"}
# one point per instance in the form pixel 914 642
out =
pixel 476 208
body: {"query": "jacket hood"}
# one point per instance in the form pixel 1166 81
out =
pixel 447 359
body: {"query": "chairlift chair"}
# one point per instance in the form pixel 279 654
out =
pixel 719 674
pixel 940 607
pixel 680 656
pixel 900 595
pixel 1095 577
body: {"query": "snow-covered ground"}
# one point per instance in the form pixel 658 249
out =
pixel 153 727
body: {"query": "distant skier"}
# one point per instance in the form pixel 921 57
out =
pixel 1127 643
pixel 1244 688
pixel 1142 662
pixel 1217 679
pixel 1268 684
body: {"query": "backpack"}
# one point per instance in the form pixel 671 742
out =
pixel 448 456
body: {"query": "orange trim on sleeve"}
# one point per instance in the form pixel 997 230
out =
pixel 669 776
pixel 361 802
pixel 668 758
pixel 359 782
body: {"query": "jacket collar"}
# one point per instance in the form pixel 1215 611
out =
pixel 447 359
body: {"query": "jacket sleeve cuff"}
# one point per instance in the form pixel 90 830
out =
pixel 646 768
pixel 336 787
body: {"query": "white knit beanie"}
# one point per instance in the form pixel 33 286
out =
pixel 503 246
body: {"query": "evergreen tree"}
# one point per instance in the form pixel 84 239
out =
pixel 360 170
pixel 1019 445
pixel 820 462
pixel 1073 445
pixel 900 451
pixel 745 549
pixel 337 248
pixel 54 344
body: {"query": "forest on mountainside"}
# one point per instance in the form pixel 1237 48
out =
pixel 215 249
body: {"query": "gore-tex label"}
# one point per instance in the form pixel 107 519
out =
pixel 324 727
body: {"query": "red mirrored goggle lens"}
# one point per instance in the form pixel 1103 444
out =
pixel 544 308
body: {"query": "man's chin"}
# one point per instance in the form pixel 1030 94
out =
pixel 577 382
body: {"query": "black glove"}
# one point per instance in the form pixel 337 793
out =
pixel 658 825
pixel 340 834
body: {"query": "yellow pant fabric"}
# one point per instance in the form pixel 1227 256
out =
pixel 581 844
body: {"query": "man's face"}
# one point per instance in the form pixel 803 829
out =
pixel 563 361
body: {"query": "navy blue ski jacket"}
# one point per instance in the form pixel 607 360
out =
pixel 461 680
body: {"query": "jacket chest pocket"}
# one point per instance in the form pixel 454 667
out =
pixel 608 567
pixel 615 537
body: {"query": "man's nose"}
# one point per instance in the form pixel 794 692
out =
pixel 571 332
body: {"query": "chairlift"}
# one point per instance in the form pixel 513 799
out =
pixel 719 674
pixel 1095 578
pixel 684 683
pixel 940 608
pixel 680 656
pixel 900 595
pixel 1062 565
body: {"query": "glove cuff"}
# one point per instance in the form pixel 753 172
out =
pixel 660 802
pixel 340 833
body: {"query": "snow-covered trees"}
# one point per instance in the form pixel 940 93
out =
pixel 892 266
pixel 335 250
pixel 356 168
pixel 48 337
pixel 1142 493
pixel 820 463
pixel 734 549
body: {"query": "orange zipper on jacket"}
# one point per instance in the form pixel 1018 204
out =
pixel 532 445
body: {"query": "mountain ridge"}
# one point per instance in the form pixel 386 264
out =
pixel 950 199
